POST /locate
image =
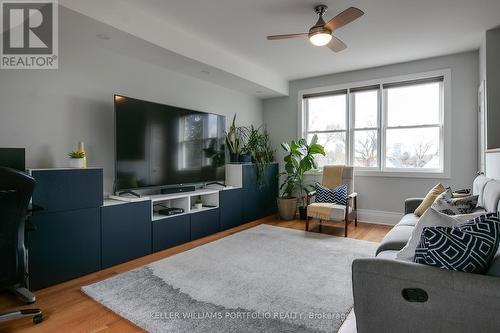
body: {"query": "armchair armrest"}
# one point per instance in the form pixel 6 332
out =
pixel 352 195
pixel 411 204
pixel 309 196
pixel 399 296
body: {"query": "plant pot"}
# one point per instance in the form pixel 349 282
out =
pixel 198 206
pixel 287 207
pixel 234 158
pixel 76 163
pixel 303 212
pixel 246 158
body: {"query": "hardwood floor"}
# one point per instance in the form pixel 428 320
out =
pixel 67 309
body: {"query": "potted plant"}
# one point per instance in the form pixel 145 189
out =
pixel 76 159
pixel 235 141
pixel 198 203
pixel 299 159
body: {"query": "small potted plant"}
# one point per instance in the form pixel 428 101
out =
pixel 198 203
pixel 299 160
pixel 76 159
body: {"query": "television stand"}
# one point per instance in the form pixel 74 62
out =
pixel 135 194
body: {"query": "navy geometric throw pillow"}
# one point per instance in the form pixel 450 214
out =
pixel 336 195
pixel 466 247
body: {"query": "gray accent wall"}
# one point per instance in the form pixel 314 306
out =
pixel 386 194
pixel 49 111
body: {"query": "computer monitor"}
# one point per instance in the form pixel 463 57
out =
pixel 13 158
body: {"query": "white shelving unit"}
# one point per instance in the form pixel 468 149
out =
pixel 183 200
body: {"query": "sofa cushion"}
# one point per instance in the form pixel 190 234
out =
pixel 396 238
pixel 491 196
pixel 478 188
pixel 467 247
pixel 494 269
pixel 409 220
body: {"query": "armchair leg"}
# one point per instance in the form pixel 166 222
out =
pixel 345 229
pixel 356 211
pixel 307 223
pixel 320 225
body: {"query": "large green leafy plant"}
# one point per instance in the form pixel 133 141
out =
pixel 300 159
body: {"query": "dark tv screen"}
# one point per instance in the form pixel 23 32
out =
pixel 160 145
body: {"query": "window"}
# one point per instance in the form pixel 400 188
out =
pixel 392 126
pixel 413 128
pixel 327 118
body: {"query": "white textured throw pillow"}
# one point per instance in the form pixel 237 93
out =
pixel 431 218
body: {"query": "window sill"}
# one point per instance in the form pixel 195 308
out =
pixel 393 174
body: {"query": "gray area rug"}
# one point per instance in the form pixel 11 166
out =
pixel 264 279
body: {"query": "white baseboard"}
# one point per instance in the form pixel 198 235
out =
pixel 379 216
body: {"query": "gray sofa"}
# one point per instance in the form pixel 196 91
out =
pixel 399 296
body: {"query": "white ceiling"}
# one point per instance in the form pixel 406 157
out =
pixel 230 34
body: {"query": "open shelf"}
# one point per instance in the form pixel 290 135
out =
pixel 185 201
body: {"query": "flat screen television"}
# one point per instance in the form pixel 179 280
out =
pixel 159 145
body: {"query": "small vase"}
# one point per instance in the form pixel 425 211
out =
pixel 78 163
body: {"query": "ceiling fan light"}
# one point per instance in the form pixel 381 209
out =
pixel 320 38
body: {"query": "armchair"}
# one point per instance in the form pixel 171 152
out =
pixel 328 212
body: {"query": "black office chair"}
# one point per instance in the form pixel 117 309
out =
pixel 16 189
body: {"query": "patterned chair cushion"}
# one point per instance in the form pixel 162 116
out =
pixel 467 247
pixel 447 204
pixel 336 195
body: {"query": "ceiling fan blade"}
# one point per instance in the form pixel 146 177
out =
pixel 347 16
pixel 287 36
pixel 336 45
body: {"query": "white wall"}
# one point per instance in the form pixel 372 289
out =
pixel 49 111
pixel 386 194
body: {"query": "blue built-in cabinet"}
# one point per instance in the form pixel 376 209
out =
pixel 75 233
pixel 259 195
pixel 230 206
pixel 204 223
pixel 65 241
pixel 125 232
pixel 171 231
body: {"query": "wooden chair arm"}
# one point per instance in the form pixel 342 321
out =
pixel 309 196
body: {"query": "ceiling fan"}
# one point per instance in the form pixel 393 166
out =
pixel 322 33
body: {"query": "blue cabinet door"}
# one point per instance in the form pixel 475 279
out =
pixel 251 206
pixel 126 232
pixel 259 195
pixel 67 189
pixel 204 223
pixel 231 208
pixel 170 232
pixel 63 246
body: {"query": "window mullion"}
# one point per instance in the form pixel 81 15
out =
pixel 350 135
pixel 383 126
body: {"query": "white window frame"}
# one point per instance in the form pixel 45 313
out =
pixel 380 170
